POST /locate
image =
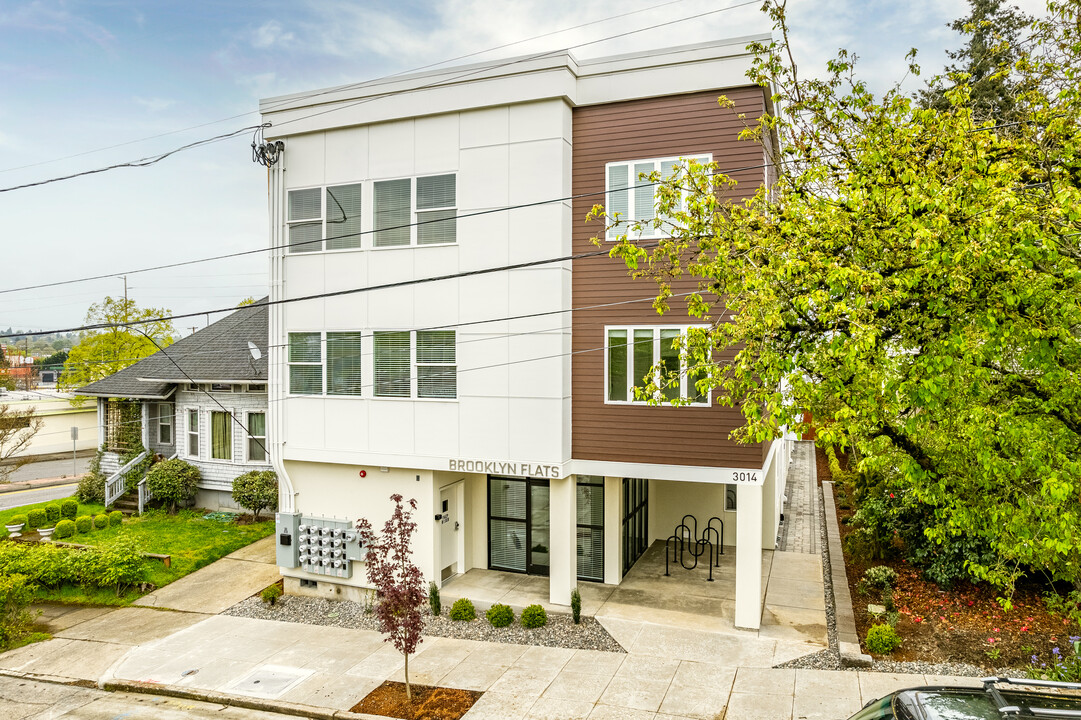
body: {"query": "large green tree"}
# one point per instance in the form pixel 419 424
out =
pixel 127 334
pixel 915 274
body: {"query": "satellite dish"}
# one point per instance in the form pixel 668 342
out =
pixel 255 354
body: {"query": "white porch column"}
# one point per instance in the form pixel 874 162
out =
pixel 563 557
pixel 144 411
pixel 613 527
pixel 102 411
pixel 748 557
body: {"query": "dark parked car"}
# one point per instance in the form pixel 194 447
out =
pixel 998 699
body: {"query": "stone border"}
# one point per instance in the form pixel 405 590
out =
pixel 848 640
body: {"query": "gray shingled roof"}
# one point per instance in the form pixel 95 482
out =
pixel 217 353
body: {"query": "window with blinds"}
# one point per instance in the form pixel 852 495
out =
pixel 343 363
pixel 393 208
pixel 437 374
pixel 630 192
pixel 392 364
pixel 590 527
pixel 652 352
pixel 307 225
pixel 305 363
pixel 305 218
pixel 343 217
pixel 436 210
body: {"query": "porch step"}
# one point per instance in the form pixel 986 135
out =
pixel 128 504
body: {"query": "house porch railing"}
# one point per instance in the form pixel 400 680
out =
pixel 116 484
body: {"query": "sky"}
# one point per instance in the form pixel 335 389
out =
pixel 89 83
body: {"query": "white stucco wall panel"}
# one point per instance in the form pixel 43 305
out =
pixel 540 120
pixel 537 364
pixel 538 171
pixel 346 155
pixel 347 424
pixel 304 422
pixel 487 126
pixel 304 160
pixel 482 365
pixel 483 242
pixel 483 178
pixel 436 144
pixel 436 428
pixel 391 149
pixel 484 298
pixel 669 501
pixel 488 422
pixel 537 233
pixel 534 431
pixel 392 426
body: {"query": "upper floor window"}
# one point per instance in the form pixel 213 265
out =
pixel 633 352
pixel 633 197
pixel 221 435
pixel 430 360
pixel 431 199
pixel 331 213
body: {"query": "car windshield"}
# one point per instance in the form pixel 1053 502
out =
pixel 946 705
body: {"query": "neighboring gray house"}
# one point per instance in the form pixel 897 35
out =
pixel 202 399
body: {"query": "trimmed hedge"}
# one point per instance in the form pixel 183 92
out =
pixel 17 520
pixel 83 523
pixel 463 609
pixel 116 564
pixel 499 615
pixel 64 529
pixel 101 521
pixel 69 508
pixel 35 518
pixel 52 513
pixel 534 616
pixel 115 518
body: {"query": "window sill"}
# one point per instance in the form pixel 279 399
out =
pixel 663 403
pixel 374 398
pixel 372 248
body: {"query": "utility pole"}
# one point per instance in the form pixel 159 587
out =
pixel 125 278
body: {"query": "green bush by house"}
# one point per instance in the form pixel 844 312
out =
pixel 83 523
pixel 256 490
pixel 52 513
pixel 500 615
pixel 101 521
pixel 534 616
pixel 115 518
pixel 69 508
pixel 64 529
pixel 173 482
pixel 463 609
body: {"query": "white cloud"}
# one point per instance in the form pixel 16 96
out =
pixel 271 34
pixel 154 105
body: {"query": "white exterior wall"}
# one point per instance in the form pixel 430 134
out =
pixel 217 474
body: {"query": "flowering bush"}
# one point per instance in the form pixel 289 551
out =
pixel 1064 666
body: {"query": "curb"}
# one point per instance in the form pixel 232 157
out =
pixel 848 640
pixel 31 485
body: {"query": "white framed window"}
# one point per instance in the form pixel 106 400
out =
pixel 430 201
pixel 193 433
pixel 635 198
pixel 330 213
pixel 305 363
pixel 165 423
pixel 343 371
pixel 222 387
pixel 632 352
pixel 194 387
pixel 257 449
pixel 428 356
pixel 325 363
pixel 221 435
pixel 255 388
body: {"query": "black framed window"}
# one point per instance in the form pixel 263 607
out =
pixel 635 520
pixel 590 521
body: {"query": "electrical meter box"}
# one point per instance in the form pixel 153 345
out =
pixel 324 546
pixel 286 532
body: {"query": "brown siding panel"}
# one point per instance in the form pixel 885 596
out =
pixel 680 125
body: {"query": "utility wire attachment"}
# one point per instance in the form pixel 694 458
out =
pixel 262 152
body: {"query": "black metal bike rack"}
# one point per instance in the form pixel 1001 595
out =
pixel 688 542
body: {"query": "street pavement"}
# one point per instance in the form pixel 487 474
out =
pixel 65 468
pixel 18 498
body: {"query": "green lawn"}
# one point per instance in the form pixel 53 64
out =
pixel 186 537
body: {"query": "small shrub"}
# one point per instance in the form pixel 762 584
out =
pixel 433 599
pixel 256 490
pixel 92 485
pixel 15 618
pixel 52 513
pixel 463 609
pixel 880 577
pixel 576 606
pixel 173 482
pixel 882 639
pixel 120 563
pixel 17 520
pixel 115 518
pixel 101 521
pixel 69 508
pixel 500 615
pixel 64 529
pixel 35 519
pixel 534 617
pixel 83 523
pixel 271 594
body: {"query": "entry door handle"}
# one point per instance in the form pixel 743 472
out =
pixel 455 524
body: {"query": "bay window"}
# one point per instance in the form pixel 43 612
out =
pixel 632 353
pixel 221 436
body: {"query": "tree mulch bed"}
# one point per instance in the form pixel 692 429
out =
pixel 965 624
pixel 429 703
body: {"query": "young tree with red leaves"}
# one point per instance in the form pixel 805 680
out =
pixel 398 581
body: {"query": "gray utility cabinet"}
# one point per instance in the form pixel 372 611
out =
pixel 323 546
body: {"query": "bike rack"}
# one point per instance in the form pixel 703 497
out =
pixel 684 536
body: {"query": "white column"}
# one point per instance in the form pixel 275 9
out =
pixel 144 410
pixel 102 411
pixel 563 557
pixel 770 509
pixel 748 557
pixel 613 529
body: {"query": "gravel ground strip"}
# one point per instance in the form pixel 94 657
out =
pixel 830 659
pixel 559 632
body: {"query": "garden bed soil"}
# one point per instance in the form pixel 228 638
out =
pixel 965 624
pixel 429 703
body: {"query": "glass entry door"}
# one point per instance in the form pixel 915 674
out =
pixel 635 520
pixel 519 530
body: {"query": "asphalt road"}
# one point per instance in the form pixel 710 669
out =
pixel 23 699
pixel 18 498
pixel 49 469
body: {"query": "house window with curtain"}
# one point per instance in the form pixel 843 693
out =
pixel 221 436
pixel 633 352
pixel 257 450
pixel 193 433
pixel 329 213
pixel 634 197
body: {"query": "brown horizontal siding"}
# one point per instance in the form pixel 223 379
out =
pixel 681 125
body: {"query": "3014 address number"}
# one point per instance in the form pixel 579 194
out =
pixel 743 477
